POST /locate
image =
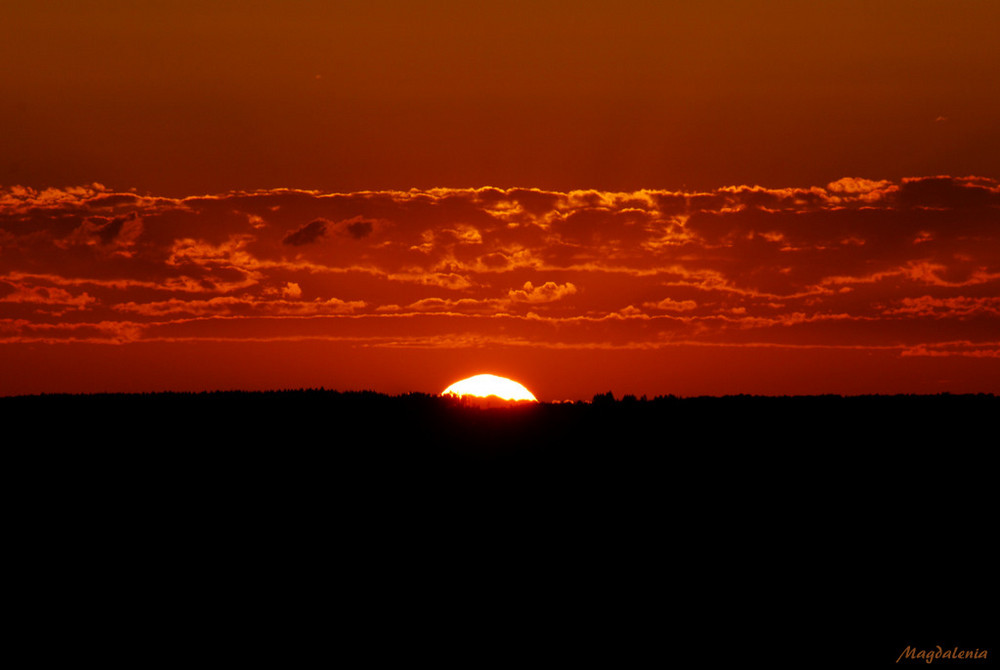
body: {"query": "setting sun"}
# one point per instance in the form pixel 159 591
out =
pixel 484 386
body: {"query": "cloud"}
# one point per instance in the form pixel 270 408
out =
pixel 359 229
pixel 670 305
pixel 121 230
pixel 946 307
pixel 237 305
pixel 856 188
pixel 547 292
pixel 857 261
pixel 37 297
pixel 307 234
pixel 962 349
pixel 291 290
pixel 948 193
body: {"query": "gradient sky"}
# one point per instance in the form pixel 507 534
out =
pixel 651 198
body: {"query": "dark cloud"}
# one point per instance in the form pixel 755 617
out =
pixel 114 200
pixel 307 234
pixel 359 229
pixel 602 224
pixel 110 230
pixel 948 193
pixel 534 201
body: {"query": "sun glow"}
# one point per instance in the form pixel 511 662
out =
pixel 484 386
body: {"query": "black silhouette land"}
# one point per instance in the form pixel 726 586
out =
pixel 798 531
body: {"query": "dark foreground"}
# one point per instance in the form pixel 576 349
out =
pixel 799 532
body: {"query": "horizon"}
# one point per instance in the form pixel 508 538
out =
pixel 493 401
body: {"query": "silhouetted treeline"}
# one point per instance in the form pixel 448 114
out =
pixel 825 449
pixel 416 423
pixel 415 426
pixel 809 520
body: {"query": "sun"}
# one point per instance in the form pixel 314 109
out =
pixel 484 386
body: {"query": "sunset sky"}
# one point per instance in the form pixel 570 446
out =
pixel 644 197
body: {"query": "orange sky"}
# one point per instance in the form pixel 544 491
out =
pixel 719 197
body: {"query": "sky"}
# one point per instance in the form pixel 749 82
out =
pixel 645 197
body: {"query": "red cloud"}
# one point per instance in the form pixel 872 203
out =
pixel 547 292
pixel 856 262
